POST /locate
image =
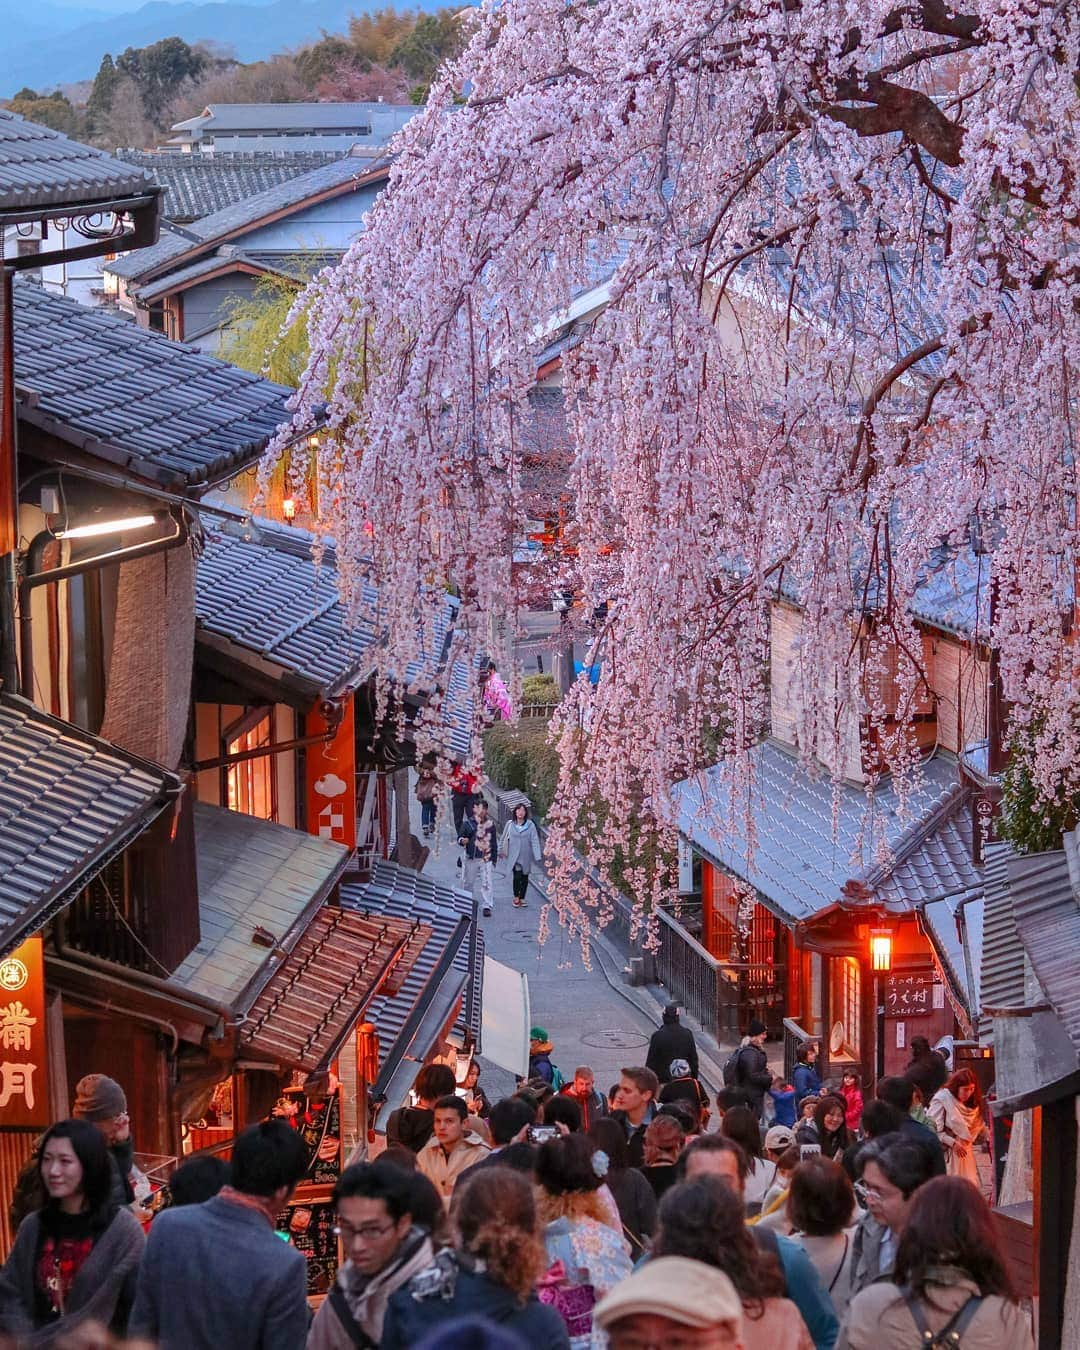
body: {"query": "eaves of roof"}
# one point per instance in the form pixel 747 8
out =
pixel 265 208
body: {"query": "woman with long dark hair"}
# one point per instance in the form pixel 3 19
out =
pixel 633 1195
pixel 75 1259
pixel 950 1276
pixel 957 1113
pixel 741 1125
pixel 704 1221
pixel 833 1135
pixel 491 1272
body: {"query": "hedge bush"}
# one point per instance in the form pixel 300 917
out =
pixel 519 756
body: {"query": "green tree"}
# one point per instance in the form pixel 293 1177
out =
pixel 102 94
pixel 160 69
pixel 258 339
pixel 433 39
pixel 325 57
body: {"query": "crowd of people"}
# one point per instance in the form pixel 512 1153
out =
pixel 559 1216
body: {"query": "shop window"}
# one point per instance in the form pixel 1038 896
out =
pixel 846 978
pixel 250 785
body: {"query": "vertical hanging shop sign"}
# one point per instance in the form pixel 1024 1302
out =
pixel 331 778
pixel 24 1073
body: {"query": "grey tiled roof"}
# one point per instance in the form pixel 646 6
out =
pixel 251 872
pixel 242 215
pixel 400 892
pixel 229 255
pixel 262 594
pixel 799 862
pixel 162 410
pixel 260 600
pixel 40 168
pixel 199 185
pixel 68 803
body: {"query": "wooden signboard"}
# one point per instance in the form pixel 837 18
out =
pixel 909 993
pixel 24 1072
pixel 330 778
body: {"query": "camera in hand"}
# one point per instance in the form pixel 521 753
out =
pixel 540 1134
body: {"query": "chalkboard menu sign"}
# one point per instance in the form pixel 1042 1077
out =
pixel 309 1224
pixel 909 993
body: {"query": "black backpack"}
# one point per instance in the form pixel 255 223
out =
pixel 731 1068
pixel 951 1333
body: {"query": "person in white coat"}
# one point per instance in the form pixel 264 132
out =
pixel 957 1113
pixel 520 846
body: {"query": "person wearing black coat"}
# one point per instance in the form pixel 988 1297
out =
pixel 927 1069
pixel 671 1041
pixel 752 1074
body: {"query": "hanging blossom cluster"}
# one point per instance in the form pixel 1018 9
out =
pixel 841 340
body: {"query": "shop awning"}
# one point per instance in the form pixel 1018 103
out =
pixel 259 885
pixel 446 974
pixel 69 803
pixel 506 1017
pixel 315 998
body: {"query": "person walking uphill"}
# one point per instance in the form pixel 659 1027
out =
pixel 453 1150
pixel 520 846
pixel 75 1259
pixel 480 839
pixel 217 1274
pixel 671 1041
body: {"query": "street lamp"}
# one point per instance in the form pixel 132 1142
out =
pixel 881 940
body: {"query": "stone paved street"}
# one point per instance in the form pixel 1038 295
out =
pixel 593 1016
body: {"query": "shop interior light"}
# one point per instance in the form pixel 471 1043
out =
pixel 288 508
pixel 93 529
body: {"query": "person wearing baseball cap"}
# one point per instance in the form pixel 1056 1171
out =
pixel 672 1303
pixel 778 1138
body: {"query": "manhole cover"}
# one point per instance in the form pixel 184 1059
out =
pixel 519 935
pixel 615 1039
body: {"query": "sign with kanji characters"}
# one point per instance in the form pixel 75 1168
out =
pixel 24 1073
pixel 909 993
pixel 330 772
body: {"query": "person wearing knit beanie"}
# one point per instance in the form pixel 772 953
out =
pixel 99 1098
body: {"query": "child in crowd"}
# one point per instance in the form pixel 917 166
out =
pixel 851 1093
pixel 783 1095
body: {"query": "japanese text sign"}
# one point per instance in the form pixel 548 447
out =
pixel 24 1072
pixel 909 994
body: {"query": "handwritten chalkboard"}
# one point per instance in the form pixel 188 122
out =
pixel 909 994
pixel 309 1224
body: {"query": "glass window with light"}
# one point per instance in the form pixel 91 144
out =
pixel 250 784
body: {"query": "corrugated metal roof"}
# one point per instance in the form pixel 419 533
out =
pixel 351 170
pixel 252 873
pixel 400 892
pixel 199 185
pixel 164 411
pixel 40 168
pixel 802 855
pixel 315 998
pixel 1002 954
pixel 1047 915
pixel 68 803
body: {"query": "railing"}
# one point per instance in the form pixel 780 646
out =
pixel 796 1036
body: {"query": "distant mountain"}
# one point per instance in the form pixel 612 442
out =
pixel 56 45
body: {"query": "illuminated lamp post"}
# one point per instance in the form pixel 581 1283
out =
pixel 881 944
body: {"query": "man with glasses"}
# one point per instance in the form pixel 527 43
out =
pixel 383 1250
pixel 893 1169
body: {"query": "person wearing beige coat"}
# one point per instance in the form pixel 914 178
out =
pixel 879 1318
pixel 453 1148
pixel 951 1280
